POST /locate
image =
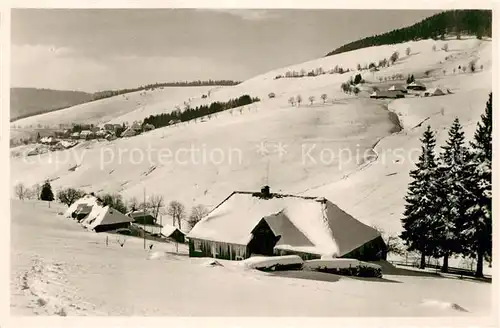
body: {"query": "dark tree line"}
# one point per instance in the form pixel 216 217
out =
pixel 475 22
pixel 188 113
pixel 112 93
pixel 449 200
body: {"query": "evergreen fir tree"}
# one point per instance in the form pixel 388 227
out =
pixel 476 228
pixel 421 210
pixel 47 193
pixel 453 171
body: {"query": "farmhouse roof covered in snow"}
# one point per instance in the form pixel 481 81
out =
pixel 305 224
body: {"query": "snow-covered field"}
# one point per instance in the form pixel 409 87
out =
pixel 58 268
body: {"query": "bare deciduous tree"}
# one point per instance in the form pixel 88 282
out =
pixel 156 202
pixel 177 211
pixel 324 97
pixel 298 99
pixel 37 190
pixel 20 191
pixel 69 196
pixel 197 213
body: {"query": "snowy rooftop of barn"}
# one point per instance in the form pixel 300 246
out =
pixel 307 224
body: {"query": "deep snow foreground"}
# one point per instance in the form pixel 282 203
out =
pixel 58 268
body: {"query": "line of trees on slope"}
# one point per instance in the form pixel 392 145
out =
pixel 39 192
pixel 198 83
pixel 475 22
pixel 448 203
pixel 189 113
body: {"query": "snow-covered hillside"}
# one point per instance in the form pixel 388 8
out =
pixel 58 268
pixel 116 109
pixel 302 150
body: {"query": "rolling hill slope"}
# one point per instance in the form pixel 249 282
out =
pixel 26 102
pixel 349 149
pixel 113 108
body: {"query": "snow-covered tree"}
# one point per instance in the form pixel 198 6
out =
pixel 445 47
pixel 420 215
pixel 476 228
pixel 394 57
pixel 408 51
pixel 291 101
pixel 311 99
pixel 453 171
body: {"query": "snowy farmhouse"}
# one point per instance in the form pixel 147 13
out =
pixel 105 218
pixel 97 216
pixel 399 88
pixel 416 86
pixel 387 94
pixel 433 92
pixel 265 223
pixel 141 217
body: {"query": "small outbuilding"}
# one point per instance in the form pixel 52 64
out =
pixel 416 86
pixel 399 88
pixel 172 233
pixel 130 132
pixel 433 92
pixel 141 217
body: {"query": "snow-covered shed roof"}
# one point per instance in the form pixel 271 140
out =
pixel 87 200
pixel 104 215
pixel 167 230
pixel 434 91
pixel 308 224
pixel 396 88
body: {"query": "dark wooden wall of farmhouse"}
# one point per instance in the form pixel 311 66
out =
pixel 373 250
pixel 177 236
pixel 109 227
pixel 217 250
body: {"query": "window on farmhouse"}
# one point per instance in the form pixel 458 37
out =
pixel 197 246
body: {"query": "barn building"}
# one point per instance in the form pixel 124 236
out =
pixel 105 218
pixel 141 217
pixel 433 92
pixel 265 223
pixel 416 86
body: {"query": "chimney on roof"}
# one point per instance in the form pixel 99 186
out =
pixel 265 192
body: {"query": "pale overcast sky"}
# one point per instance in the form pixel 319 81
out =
pixel 91 50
